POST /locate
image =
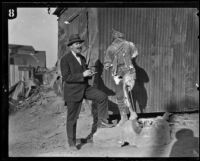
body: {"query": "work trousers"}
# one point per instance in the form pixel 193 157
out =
pixel 74 108
pixel 120 99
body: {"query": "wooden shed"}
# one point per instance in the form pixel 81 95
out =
pixel 167 40
pixel 23 60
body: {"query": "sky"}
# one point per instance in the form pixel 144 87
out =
pixel 37 28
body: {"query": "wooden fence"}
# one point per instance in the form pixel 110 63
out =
pixel 15 75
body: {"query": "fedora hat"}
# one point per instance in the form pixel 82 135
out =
pixel 74 38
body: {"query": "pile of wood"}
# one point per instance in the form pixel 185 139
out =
pixel 25 94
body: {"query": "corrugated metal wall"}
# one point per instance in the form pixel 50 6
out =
pixel 168 63
pixel 167 67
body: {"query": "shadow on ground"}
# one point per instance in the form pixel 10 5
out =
pixel 186 145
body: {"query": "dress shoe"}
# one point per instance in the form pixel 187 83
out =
pixel 90 138
pixel 103 124
pixel 78 141
pixel 87 140
pixel 73 148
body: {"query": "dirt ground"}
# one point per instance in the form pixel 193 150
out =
pixel 39 131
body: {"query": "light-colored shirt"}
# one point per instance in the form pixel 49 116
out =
pixel 77 58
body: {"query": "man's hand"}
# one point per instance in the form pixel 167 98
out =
pixel 88 73
pixel 107 66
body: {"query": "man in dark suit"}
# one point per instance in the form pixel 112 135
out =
pixel 75 77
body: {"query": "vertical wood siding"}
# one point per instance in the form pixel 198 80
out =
pixel 77 26
pixel 15 75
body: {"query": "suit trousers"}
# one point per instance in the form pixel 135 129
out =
pixel 74 108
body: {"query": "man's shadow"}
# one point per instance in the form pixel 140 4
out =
pixel 139 93
pixel 186 145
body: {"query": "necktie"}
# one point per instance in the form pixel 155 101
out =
pixel 78 55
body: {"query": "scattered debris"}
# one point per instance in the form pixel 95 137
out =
pixel 28 94
pixel 25 94
pixel 18 91
pixel 144 132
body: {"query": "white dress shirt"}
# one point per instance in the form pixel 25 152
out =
pixel 77 58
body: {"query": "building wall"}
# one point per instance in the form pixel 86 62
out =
pixel 83 22
pixel 65 30
pixel 15 75
pixel 39 59
pixel 20 57
pixel 167 65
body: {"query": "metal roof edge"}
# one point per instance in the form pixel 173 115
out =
pixel 59 11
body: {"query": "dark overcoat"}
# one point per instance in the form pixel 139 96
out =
pixel 72 76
